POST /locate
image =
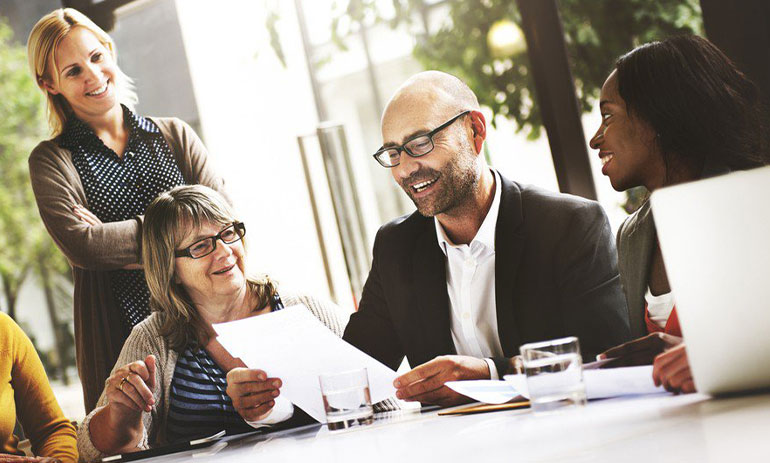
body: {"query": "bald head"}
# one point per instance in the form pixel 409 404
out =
pixel 432 94
pixel 451 174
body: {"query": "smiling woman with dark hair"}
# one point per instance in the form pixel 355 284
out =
pixel 699 114
pixel 672 111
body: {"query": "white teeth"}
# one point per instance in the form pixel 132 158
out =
pixel 98 91
pixel 606 159
pixel 224 270
pixel 423 185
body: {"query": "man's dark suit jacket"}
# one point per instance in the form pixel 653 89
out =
pixel 555 275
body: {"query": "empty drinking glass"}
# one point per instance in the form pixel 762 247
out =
pixel 554 372
pixel 346 399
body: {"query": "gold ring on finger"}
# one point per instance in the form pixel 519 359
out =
pixel 122 382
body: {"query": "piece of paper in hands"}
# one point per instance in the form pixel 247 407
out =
pixel 600 384
pixel 293 345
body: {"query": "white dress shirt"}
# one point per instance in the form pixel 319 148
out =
pixel 659 307
pixel 470 279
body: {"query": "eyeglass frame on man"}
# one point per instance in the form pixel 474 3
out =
pixel 408 151
pixel 238 227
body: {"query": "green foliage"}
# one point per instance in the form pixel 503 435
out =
pixel 24 242
pixel 596 32
pixel 271 25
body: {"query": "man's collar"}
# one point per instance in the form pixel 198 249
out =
pixel 486 233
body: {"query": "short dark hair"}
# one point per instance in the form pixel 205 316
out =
pixel 704 111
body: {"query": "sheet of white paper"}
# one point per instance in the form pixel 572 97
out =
pixel 293 345
pixel 605 383
pixel 484 390
pixel 616 382
pixel 600 384
pixel 518 384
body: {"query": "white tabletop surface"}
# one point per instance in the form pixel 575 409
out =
pixel 650 429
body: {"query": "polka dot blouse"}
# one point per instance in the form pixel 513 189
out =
pixel 121 188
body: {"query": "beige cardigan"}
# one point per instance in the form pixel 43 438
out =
pixel 145 339
pixel 99 334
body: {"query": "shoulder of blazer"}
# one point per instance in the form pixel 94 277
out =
pixel 405 227
pixel 540 197
pixel 639 220
pixel 636 237
pixel 540 207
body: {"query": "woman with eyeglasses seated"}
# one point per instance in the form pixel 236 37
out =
pixel 26 397
pixel 672 111
pixel 173 380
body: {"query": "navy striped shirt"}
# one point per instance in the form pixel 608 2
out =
pixel 199 404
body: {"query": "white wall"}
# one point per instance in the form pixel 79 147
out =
pixel 252 109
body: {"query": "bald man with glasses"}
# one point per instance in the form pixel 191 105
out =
pixel 485 264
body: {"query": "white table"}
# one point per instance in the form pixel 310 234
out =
pixel 649 429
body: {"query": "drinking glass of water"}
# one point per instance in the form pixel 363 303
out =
pixel 554 372
pixel 346 399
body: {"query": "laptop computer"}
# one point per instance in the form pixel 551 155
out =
pixel 715 238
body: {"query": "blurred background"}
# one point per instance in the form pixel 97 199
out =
pixel 287 96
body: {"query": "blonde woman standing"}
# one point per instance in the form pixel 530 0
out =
pixel 94 178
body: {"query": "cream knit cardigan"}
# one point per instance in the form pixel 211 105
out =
pixel 145 339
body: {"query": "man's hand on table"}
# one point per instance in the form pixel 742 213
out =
pixel 426 382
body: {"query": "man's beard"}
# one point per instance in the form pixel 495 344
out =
pixel 454 185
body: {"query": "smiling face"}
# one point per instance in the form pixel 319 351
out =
pixel 86 74
pixel 219 275
pixel 443 179
pixel 630 156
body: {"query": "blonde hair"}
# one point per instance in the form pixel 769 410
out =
pixel 167 221
pixel 42 44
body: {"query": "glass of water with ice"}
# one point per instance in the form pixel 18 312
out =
pixel 554 372
pixel 346 399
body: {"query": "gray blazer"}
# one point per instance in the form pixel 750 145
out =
pixel 635 243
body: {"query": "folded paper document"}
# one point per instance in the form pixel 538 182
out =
pixel 293 345
pixel 600 384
